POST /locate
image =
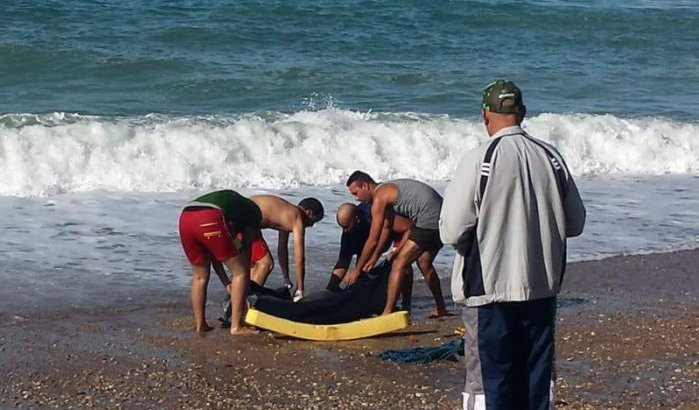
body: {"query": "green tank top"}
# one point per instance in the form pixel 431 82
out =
pixel 239 211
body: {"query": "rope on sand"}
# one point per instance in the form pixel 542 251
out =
pixel 446 351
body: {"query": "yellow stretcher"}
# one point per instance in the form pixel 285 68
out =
pixel 342 331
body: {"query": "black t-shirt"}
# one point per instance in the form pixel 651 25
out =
pixel 352 242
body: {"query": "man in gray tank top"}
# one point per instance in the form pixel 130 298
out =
pixel 421 204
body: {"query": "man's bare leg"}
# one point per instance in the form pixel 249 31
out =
pixel 424 262
pixel 239 291
pixel 260 269
pixel 200 281
pixel 406 296
pixel 407 255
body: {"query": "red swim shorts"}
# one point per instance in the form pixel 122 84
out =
pixel 259 248
pixel 203 231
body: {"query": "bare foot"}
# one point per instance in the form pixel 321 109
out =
pixel 439 313
pixel 243 330
pixel 204 328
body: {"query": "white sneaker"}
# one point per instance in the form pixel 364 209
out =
pixel 298 295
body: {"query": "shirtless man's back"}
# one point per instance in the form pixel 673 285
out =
pixel 287 218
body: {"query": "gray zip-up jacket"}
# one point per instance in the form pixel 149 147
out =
pixel 511 240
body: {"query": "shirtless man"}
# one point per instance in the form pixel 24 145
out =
pixel 207 227
pixel 416 201
pixel 281 215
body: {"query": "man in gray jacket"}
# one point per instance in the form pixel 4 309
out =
pixel 508 211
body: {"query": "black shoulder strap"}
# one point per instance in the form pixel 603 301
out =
pixel 485 168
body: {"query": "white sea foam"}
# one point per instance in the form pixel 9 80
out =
pixel 56 153
pixel 114 249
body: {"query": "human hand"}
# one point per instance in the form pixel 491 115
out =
pixel 370 264
pixel 352 276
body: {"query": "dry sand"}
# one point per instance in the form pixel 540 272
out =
pixel 627 337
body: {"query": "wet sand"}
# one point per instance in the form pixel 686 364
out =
pixel 627 337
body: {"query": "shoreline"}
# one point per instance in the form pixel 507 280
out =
pixel 627 336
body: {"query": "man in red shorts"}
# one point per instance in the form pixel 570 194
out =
pixel 261 261
pixel 207 228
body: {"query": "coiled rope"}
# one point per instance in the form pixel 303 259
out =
pixel 446 351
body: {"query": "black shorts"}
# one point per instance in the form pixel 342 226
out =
pixel 427 239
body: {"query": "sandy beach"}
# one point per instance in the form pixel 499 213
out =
pixel 627 337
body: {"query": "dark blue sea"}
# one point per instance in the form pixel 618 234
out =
pixel 623 57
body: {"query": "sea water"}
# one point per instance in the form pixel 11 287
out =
pixel 115 114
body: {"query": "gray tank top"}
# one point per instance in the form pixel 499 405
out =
pixel 418 202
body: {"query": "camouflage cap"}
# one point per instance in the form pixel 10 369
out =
pixel 504 97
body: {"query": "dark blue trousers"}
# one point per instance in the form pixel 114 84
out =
pixel 510 355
